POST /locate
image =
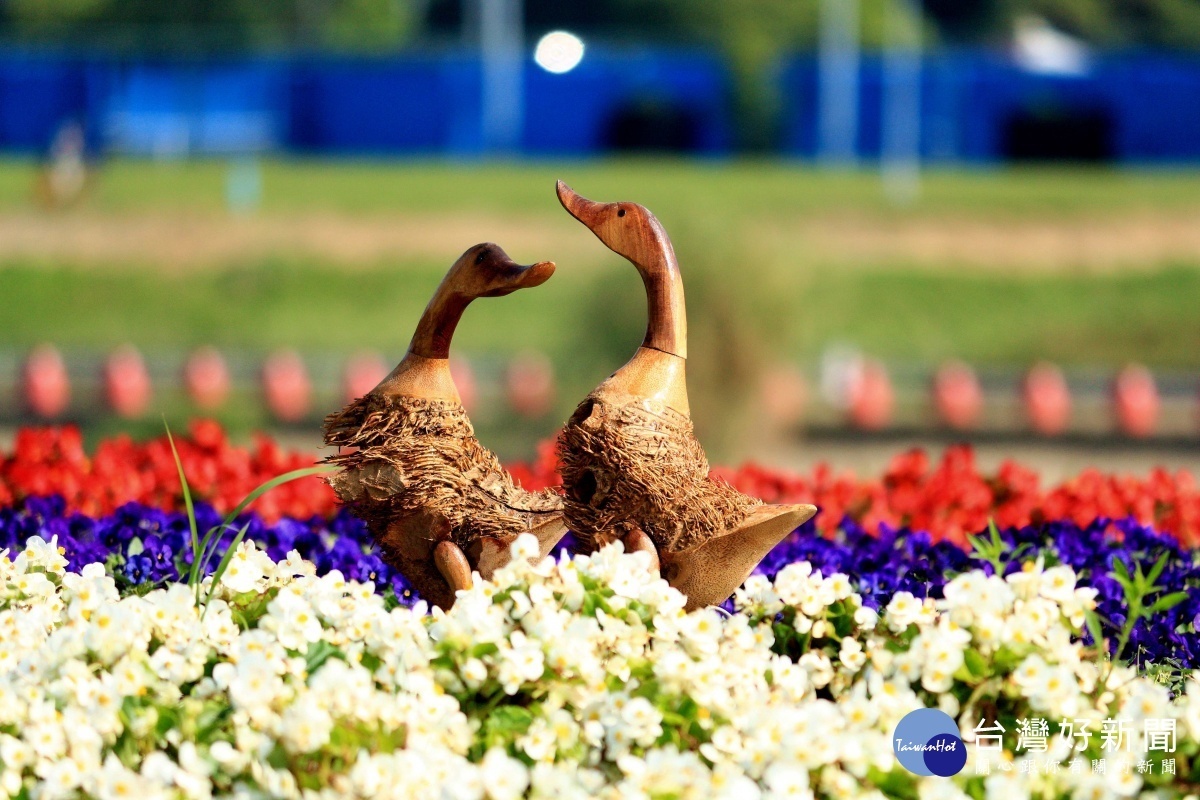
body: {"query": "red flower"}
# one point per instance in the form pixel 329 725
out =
pixel 950 500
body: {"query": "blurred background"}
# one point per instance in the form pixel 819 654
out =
pixel 901 223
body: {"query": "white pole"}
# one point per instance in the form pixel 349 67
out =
pixel 900 159
pixel 501 47
pixel 837 79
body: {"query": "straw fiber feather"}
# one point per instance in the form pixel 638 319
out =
pixel 639 465
pixel 420 456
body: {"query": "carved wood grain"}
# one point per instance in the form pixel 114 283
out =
pixel 630 230
pixel 710 572
pixel 484 270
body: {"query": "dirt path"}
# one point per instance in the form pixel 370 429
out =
pixel 176 240
pixel 1036 245
pixel 185 241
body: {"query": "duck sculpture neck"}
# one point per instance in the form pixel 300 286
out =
pixel 657 370
pixel 666 323
pixel 485 270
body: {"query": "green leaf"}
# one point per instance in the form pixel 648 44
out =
pixel 221 567
pixel 320 652
pixel 1157 570
pixel 484 649
pixel 193 579
pixel 975 662
pixel 1094 628
pixel 1167 602
pixel 1121 569
pixel 206 549
pixel 211 719
pixel 978 545
pixel 277 758
pixel 509 721
pixel 278 480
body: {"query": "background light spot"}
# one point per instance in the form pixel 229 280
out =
pixel 558 52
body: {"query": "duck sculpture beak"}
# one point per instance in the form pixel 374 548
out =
pixel 586 211
pixel 533 275
pixel 507 276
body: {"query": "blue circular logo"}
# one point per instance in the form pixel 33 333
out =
pixel 928 742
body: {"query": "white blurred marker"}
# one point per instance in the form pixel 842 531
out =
pixel 558 52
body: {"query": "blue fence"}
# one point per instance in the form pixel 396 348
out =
pixel 981 107
pixel 410 105
pixel 975 106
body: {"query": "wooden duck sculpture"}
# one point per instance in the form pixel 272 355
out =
pixel 437 501
pixel 630 462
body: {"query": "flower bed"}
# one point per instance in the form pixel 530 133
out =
pixel 144 546
pixel 949 501
pixel 576 678
pixel 313 667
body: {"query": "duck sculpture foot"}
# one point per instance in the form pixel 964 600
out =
pixel 703 573
pixel 630 463
pixel 636 541
pixel 437 502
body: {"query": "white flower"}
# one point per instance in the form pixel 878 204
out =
pixel 82 668
pixel 39 553
pixel 792 582
pixel 787 780
pixel 699 631
pixel 293 620
pixel 244 571
pixel 1058 583
pixel 852 655
pixel 866 618
pixel 474 672
pixel 504 778
pixel 306 725
pixel 642 720
pixel 60 778
pixel 524 547
pixel 115 782
pixel 902 611
pixel 523 661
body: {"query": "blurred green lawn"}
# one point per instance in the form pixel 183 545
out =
pixel 1153 317
pixel 730 189
pixel 759 284
pixel 796 303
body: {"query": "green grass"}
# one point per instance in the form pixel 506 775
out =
pixel 731 189
pixel 743 295
pixel 1149 316
pixel 1152 317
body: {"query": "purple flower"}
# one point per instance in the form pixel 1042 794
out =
pixel 879 563
pixel 138 568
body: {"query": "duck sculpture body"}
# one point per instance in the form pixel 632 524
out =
pixel 438 503
pixel 630 462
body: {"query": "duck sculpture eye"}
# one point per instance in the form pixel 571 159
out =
pixel 620 212
pixel 479 258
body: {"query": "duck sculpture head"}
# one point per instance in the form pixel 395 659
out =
pixel 631 466
pixel 484 270
pixel 438 503
pixel 630 230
